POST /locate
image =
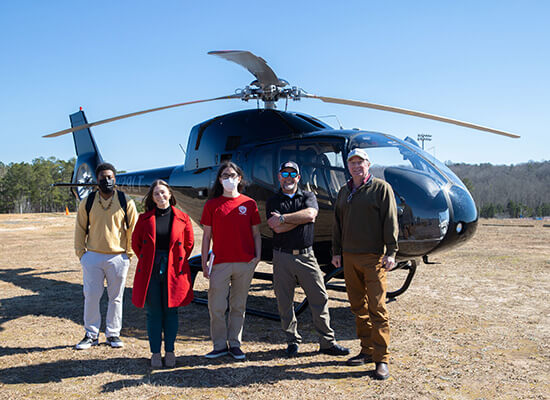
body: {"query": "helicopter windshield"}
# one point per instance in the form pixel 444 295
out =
pixel 387 152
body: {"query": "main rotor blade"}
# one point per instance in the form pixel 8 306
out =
pixel 409 112
pixel 104 121
pixel 254 64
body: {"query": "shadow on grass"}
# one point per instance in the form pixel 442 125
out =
pixel 61 299
pixel 51 298
pixel 8 351
pixel 198 371
pixel 230 375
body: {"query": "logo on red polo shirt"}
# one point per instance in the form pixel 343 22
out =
pixel 242 210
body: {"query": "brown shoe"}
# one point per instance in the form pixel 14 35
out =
pixel 359 359
pixel 382 371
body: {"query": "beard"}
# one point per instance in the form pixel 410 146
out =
pixel 289 186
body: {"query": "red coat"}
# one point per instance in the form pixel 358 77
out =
pixel 180 292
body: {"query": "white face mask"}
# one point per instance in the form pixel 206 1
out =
pixel 230 184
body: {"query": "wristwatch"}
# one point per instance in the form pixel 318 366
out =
pixel 281 219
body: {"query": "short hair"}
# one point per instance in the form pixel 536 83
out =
pixel 105 167
pixel 148 201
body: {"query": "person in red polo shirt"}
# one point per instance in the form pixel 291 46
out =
pixel 231 221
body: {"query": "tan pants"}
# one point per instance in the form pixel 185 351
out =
pixel 366 286
pixel 233 280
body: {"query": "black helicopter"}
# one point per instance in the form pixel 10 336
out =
pixel 436 211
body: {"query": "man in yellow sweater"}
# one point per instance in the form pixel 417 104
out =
pixel 102 242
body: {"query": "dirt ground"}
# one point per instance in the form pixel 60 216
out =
pixel 475 325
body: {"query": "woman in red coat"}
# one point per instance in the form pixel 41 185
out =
pixel 162 240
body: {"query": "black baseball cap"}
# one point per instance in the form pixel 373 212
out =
pixel 289 164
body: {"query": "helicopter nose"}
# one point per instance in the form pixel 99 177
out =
pixel 463 217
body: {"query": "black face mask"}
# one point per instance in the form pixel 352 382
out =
pixel 107 185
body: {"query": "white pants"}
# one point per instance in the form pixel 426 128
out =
pixel 96 267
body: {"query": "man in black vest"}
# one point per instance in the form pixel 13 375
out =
pixel 290 214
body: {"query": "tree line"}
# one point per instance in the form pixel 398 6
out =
pixel 26 187
pixel 521 190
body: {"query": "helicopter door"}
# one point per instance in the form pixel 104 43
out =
pixel 321 166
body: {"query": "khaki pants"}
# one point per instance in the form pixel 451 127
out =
pixel 287 269
pixel 233 280
pixel 366 286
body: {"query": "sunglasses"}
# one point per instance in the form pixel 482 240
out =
pixel 287 174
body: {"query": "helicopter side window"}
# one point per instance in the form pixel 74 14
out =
pixel 263 166
pixel 321 167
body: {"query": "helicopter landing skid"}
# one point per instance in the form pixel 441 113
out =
pixel 195 264
pixel 406 265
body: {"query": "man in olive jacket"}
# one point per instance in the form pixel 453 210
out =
pixel 365 233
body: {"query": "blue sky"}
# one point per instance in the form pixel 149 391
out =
pixel 485 62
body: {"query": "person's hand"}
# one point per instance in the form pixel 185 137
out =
pixel 337 261
pixel 255 261
pixel 205 272
pixel 274 220
pixel 388 263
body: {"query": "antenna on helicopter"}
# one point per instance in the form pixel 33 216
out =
pixel 182 149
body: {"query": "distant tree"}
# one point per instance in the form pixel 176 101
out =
pixel 514 209
pixel 488 211
pixel 16 188
pixel 469 185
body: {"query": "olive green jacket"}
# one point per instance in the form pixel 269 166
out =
pixel 366 222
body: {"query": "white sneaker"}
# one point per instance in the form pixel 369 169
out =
pixel 86 343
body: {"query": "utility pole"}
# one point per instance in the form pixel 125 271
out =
pixel 424 137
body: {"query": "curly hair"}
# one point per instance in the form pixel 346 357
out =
pixel 105 167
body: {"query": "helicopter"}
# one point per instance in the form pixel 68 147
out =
pixel 436 212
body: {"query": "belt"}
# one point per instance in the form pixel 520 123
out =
pixel 295 251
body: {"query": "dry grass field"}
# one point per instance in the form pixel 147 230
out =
pixel 476 325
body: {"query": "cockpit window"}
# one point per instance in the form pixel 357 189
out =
pixel 321 165
pixel 263 166
pixel 386 152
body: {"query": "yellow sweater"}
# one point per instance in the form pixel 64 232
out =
pixel 107 232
